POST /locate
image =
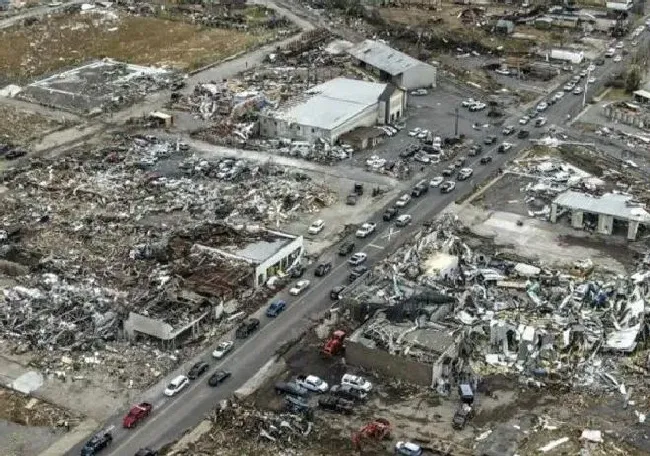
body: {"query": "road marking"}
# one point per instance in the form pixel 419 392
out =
pixel 375 246
pixel 391 231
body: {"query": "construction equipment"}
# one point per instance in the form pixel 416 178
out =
pixel 373 432
pixel 334 344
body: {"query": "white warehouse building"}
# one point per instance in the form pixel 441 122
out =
pixel 391 65
pixel 333 108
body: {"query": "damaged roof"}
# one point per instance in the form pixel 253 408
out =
pixel 614 204
pixel 383 57
pixel 332 103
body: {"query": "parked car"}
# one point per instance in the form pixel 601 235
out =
pixel 348 392
pixel 448 171
pixel 422 158
pixel 197 370
pixel 146 452
pixel 299 287
pixel 366 229
pixel 540 122
pixel 568 87
pixel 408 449
pixel 475 150
pixel 504 147
pixel 218 377
pixel 296 271
pixel 351 199
pixel 577 90
pixel 357 258
pixel 436 181
pixel 15 153
pixel 335 293
pixel 312 383
pixel 543 106
pixel 403 200
pixel 136 414
pixel 478 106
pixel 176 385
pixel 357 272
pixel 275 308
pixel 469 102
pixel 462 416
pixel 247 328
pixel 390 213
pixel 490 140
pixel 356 381
pixel 459 162
pixel 524 120
pixel 419 92
pixel 465 174
pixel 523 134
pixel 346 248
pixel 336 404
pixel 223 349
pixel 485 160
pixel 323 269
pixel 291 388
pixel 447 186
pixel 316 227
pixel 97 443
pixel 403 220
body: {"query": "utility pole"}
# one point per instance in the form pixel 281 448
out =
pixel 584 93
pixel 456 123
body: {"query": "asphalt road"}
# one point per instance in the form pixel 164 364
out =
pixel 173 416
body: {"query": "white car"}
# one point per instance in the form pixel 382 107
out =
pixel 577 90
pixel 465 173
pixel 299 287
pixel 503 71
pixel 356 382
pixel 524 120
pixel 617 58
pixel 419 92
pixel 176 385
pixel 357 259
pixel 542 106
pixel 478 106
pixel 403 200
pixel 436 181
pixel 312 383
pixel 316 227
pixel 222 349
pixel 620 45
pixel 388 131
pixel 366 229
pixel 469 102
pixel 558 95
pixel 422 158
pixel 408 449
pixel 403 220
pixel 591 67
pixel 415 131
pixel 591 80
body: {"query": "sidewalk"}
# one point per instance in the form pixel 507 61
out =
pixel 75 436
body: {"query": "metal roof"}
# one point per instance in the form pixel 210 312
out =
pixel 609 204
pixel 383 57
pixel 332 103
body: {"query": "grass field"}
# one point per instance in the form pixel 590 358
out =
pixel 65 41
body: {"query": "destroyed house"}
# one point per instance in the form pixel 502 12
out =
pixel 268 256
pixel 604 212
pixel 329 110
pixel 393 66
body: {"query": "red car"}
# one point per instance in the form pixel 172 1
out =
pixel 137 413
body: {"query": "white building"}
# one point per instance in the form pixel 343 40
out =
pixel 394 66
pixel 328 110
pixel 604 211
pixel 566 55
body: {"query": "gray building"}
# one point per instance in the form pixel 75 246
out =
pixel 329 110
pixel 393 66
pixel 604 211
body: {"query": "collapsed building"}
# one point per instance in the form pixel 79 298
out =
pixel 438 310
pixel 140 239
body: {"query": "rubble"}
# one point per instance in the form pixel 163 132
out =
pixel 98 234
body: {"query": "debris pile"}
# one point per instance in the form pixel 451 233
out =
pixel 91 238
pixel 569 328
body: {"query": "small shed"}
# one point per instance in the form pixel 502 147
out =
pixel 162 119
pixel 642 96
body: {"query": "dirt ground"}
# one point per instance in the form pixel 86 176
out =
pixel 29 425
pixel 21 127
pixel 62 41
